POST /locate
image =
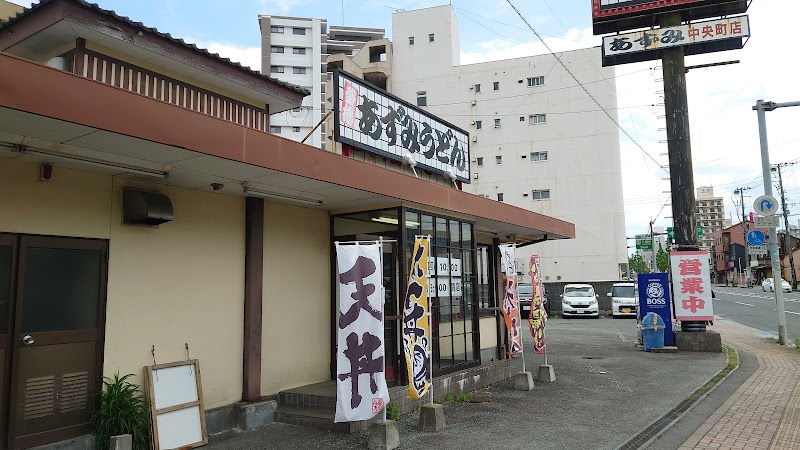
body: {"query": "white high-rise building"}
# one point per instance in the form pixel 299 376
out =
pixel 294 49
pixel 538 141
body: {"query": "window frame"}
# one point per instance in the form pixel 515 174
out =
pixel 277 29
pixel 495 86
pixel 277 69
pixel 539 194
pixel 295 129
pixel 477 88
pixel 536 81
pixel 431 37
pixel 299 70
pixel 411 40
pixel 298 50
pixel 479 161
pixel 540 156
pixel 498 160
pixel 302 31
pixel 273 128
pixel 497 123
pixel 422 98
pixel 537 119
pixel 277 49
pixel 478 124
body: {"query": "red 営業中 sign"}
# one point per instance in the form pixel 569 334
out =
pixel 691 285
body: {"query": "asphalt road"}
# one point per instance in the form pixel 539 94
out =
pixel 756 308
pixel 606 391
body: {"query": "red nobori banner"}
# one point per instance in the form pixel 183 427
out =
pixel 691 285
pixel 688 34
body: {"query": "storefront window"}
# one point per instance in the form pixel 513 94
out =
pixel 453 305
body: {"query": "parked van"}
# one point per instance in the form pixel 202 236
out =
pixel 623 300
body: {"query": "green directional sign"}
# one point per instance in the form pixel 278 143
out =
pixel 643 242
pixel 699 231
pixel 670 233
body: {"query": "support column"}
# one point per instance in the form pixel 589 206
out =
pixel 678 141
pixel 679 146
pixel 502 333
pixel 80 52
pixel 253 295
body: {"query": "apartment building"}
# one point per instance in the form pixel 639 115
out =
pixel 294 49
pixel 537 140
pixel 710 214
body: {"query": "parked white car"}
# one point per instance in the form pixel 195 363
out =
pixel 623 300
pixel 579 300
pixel 769 285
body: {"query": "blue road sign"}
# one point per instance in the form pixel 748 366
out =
pixel 654 297
pixel 766 205
pixel 756 237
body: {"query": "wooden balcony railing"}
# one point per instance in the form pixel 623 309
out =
pixel 108 70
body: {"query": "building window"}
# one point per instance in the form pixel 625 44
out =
pixel 276 69
pixel 498 160
pixel 543 194
pixel 537 119
pixel 296 129
pixel 299 51
pixel 478 125
pixel 477 87
pixel 496 85
pixel 497 123
pixel 480 162
pixel 274 29
pixel 299 70
pixel 538 156
pixel 275 49
pixel 535 81
pixel 274 129
pixel 499 196
pixel 411 40
pixel 422 98
pixel 430 37
pixel 301 31
pixel 522 118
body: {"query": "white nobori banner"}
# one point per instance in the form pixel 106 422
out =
pixel 361 391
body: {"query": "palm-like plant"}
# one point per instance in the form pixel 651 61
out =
pixel 123 410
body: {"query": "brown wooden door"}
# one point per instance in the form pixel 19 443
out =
pixel 57 338
pixel 7 265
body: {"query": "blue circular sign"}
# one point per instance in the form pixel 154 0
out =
pixel 756 237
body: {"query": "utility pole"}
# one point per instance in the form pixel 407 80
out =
pixel 676 105
pixel 745 230
pixel 761 107
pixel 789 249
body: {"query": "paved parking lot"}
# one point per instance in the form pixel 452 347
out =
pixel 606 391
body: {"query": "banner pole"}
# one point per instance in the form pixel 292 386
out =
pixel 430 327
pixel 516 297
pixel 383 307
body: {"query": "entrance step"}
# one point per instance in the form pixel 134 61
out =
pixel 315 418
pixel 313 406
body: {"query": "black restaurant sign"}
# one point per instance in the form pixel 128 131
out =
pixel 371 119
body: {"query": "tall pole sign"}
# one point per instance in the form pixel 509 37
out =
pixel 680 34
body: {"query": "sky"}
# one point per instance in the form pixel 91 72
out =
pixel 724 131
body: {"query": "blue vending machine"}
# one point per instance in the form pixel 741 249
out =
pixel 654 297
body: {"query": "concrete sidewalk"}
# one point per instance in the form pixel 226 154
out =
pixel 764 413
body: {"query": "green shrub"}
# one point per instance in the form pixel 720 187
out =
pixel 392 412
pixel 123 410
pixel 462 397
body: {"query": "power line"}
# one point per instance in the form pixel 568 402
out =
pixel 625 132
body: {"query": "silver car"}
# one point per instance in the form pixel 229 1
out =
pixel 623 300
pixel 769 285
pixel 579 300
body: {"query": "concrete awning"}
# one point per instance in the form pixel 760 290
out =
pixel 59 113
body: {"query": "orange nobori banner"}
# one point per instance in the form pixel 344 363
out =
pixel 510 301
pixel 416 321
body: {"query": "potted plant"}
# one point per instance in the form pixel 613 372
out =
pixel 123 409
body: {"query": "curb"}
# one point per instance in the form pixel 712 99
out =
pixel 659 426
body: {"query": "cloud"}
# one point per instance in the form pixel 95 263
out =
pixel 724 133
pixel 244 55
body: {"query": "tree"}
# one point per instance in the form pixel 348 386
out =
pixel 662 259
pixel 637 264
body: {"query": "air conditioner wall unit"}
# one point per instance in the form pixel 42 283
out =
pixel 474 102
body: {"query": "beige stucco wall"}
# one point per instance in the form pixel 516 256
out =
pixel 182 282
pixel 296 309
pixel 179 283
pixel 8 10
pixel 488 328
pixel 72 203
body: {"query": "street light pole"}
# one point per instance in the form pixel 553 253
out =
pixel 761 107
pixel 787 241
